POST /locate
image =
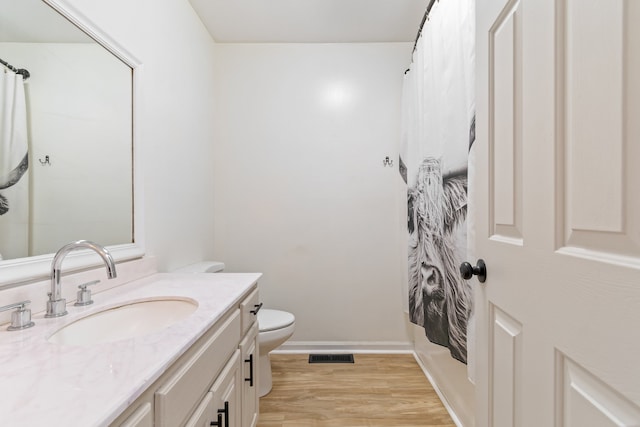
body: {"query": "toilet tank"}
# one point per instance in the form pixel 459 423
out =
pixel 202 267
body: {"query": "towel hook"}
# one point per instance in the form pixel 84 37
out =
pixel 45 161
pixel 387 162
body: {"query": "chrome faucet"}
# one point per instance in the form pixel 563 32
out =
pixel 57 306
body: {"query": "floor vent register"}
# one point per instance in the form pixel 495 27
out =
pixel 331 358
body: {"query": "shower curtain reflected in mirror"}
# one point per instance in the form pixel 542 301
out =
pixel 14 163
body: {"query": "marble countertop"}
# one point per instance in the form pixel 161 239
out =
pixel 42 383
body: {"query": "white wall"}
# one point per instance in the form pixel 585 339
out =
pixel 176 120
pixel 300 190
pixel 296 165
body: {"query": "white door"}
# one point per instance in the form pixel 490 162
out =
pixel 557 212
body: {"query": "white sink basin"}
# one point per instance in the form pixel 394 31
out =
pixel 125 321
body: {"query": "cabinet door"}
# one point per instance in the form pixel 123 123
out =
pixel 142 417
pixel 227 393
pixel 204 414
pixel 250 398
pixel 179 394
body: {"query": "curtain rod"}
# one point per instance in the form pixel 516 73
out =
pixel 424 19
pixel 25 74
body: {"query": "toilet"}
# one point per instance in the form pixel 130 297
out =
pixel 275 327
pixel 202 267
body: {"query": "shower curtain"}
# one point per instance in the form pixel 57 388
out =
pixel 437 135
pixel 14 162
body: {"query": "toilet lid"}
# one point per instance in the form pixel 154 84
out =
pixel 269 320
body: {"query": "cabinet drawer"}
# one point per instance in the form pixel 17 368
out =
pixel 204 414
pixel 249 307
pixel 142 417
pixel 176 398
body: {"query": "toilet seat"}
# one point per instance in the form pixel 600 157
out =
pixel 271 320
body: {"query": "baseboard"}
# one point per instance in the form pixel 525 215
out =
pixel 379 347
pixel 443 399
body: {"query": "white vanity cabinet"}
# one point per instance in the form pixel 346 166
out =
pixel 141 417
pixel 250 398
pixel 215 381
pixel 222 404
pixel 249 308
pixel 227 394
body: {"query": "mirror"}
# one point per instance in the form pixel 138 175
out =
pixel 79 109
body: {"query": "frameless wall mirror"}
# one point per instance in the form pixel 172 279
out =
pixel 74 117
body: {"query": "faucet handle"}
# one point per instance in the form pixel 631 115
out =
pixel 21 318
pixel 84 294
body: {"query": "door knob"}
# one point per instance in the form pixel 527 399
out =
pixel 479 270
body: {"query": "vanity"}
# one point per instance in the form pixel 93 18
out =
pixel 200 369
pixel 153 349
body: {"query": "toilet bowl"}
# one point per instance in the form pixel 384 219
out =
pixel 275 327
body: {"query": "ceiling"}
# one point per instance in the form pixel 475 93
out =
pixel 311 21
pixel 247 21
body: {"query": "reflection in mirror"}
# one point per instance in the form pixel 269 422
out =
pixel 74 116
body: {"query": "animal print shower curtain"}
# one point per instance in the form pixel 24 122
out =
pixel 14 163
pixel 437 135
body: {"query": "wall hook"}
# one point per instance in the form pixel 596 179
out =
pixel 45 161
pixel 387 162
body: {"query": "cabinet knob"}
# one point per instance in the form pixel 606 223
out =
pixel 221 412
pixel 257 309
pixel 250 362
pixel 217 423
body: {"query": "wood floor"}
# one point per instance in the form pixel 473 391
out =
pixel 376 390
